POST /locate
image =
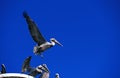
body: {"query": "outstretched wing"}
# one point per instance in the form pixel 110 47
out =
pixel 3 70
pixel 26 64
pixel 34 31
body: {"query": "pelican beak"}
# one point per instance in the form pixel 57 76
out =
pixel 58 43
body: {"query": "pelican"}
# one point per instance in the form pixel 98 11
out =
pixel 3 69
pixel 57 75
pixel 46 72
pixel 31 70
pixel 42 44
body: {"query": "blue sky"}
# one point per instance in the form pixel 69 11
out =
pixel 88 29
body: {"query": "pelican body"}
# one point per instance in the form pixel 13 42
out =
pixel 42 44
pixel 31 70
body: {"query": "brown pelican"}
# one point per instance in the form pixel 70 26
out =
pixel 3 69
pixel 42 44
pixel 31 70
pixel 46 72
pixel 57 75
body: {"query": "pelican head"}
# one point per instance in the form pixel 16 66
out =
pixel 56 75
pixel 43 67
pixel 39 68
pixel 53 40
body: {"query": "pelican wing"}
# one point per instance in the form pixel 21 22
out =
pixel 3 70
pixel 34 31
pixel 26 64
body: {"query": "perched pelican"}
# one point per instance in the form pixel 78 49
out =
pixel 57 75
pixel 3 69
pixel 46 72
pixel 42 44
pixel 31 70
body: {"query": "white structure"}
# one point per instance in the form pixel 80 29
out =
pixel 15 75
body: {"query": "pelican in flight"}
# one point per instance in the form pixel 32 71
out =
pixel 3 69
pixel 42 44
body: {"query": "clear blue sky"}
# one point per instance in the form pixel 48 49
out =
pixel 88 29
